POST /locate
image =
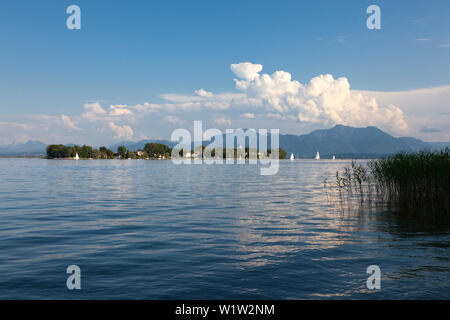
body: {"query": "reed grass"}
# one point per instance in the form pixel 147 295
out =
pixel 412 183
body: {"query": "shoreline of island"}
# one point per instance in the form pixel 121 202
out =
pixel 153 151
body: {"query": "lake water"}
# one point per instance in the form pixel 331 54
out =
pixel 153 230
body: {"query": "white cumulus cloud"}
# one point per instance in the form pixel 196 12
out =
pixel 119 110
pixel 68 123
pixel 323 100
pixel 204 93
pixel 248 115
pixel 222 121
pixel 174 119
pixel 93 111
pixel 121 132
pixel 246 70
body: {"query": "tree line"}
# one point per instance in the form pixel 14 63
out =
pixel 59 151
pixel 233 153
pixel 151 150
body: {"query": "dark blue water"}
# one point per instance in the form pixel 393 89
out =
pixel 153 230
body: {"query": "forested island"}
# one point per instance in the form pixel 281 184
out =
pixel 151 150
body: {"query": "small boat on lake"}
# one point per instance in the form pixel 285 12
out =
pixel 317 156
pixel 76 157
pixel 334 158
pixel 292 157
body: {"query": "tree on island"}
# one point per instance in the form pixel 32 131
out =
pixel 156 150
pixel 105 153
pixel 85 152
pixel 281 153
pixel 59 151
pixel 122 151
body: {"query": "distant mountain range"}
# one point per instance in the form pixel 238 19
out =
pixel 342 141
pixel 28 149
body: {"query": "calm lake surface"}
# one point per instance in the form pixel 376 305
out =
pixel 153 230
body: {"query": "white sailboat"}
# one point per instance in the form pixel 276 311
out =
pixel 334 158
pixel 292 157
pixel 317 156
pixel 77 157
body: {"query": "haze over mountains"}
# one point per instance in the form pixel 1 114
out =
pixel 30 148
pixel 342 141
pixel 348 142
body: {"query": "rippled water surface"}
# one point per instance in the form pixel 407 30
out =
pixel 153 230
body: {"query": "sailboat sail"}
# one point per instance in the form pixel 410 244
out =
pixel 317 156
pixel 76 156
pixel 292 157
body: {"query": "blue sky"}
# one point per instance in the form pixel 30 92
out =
pixel 130 53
